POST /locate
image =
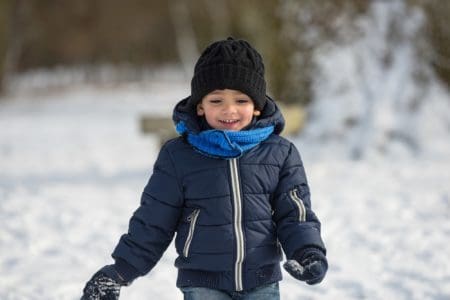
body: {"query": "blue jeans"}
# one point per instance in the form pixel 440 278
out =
pixel 265 292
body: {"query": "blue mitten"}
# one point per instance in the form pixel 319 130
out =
pixel 104 285
pixel 309 265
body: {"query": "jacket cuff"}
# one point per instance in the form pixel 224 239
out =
pixel 126 271
pixel 310 237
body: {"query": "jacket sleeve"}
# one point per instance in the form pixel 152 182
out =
pixel 297 225
pixel 153 224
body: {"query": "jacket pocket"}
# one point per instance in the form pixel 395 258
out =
pixel 293 195
pixel 192 220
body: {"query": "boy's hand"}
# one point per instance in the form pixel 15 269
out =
pixel 310 265
pixel 104 285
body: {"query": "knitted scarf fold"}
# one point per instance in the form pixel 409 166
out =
pixel 225 143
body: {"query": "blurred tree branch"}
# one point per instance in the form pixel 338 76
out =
pixel 437 31
pixel 185 38
pixel 13 15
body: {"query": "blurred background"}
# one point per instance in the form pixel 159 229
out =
pixel 365 86
pixel 111 42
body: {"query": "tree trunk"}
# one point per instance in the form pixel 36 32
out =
pixel 5 7
pixel 14 38
pixel 185 38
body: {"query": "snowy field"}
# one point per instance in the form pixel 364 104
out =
pixel 73 165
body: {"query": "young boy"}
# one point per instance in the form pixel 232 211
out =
pixel 232 189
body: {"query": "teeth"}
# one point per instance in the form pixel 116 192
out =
pixel 228 121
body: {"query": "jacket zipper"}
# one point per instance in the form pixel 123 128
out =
pixel 299 202
pixel 192 219
pixel 237 222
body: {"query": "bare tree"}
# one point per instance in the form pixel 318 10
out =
pixel 15 36
pixel 185 37
pixel 438 34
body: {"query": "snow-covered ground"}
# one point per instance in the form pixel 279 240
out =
pixel 73 165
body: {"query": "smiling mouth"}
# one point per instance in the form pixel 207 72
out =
pixel 228 122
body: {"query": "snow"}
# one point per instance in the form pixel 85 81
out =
pixel 73 164
pixel 377 93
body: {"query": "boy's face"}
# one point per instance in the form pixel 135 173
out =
pixel 227 109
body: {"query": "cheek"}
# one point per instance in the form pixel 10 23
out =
pixel 210 116
pixel 209 113
pixel 249 113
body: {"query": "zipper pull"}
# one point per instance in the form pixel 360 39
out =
pixel 191 216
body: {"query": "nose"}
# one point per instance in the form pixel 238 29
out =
pixel 229 108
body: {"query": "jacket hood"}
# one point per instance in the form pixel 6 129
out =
pixel 270 116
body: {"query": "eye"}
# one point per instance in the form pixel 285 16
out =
pixel 215 101
pixel 242 101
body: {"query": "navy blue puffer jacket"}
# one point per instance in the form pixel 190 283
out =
pixel 229 215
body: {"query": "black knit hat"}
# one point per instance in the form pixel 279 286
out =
pixel 229 64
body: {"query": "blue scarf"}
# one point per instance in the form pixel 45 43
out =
pixel 225 143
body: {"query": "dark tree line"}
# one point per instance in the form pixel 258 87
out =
pixel 146 33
